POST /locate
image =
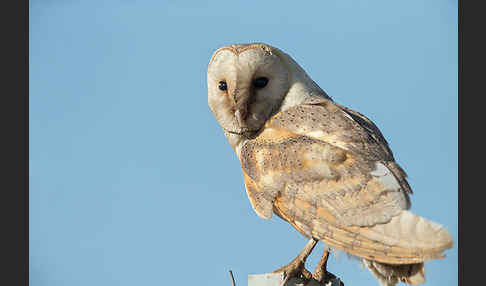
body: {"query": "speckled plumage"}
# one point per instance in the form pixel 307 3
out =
pixel 324 168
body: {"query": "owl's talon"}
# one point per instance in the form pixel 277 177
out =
pixel 296 268
pixel 306 275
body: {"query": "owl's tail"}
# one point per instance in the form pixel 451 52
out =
pixel 405 239
pixel 392 251
pixel 408 231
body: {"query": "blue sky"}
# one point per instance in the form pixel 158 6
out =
pixel 131 179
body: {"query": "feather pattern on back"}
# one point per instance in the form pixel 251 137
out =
pixel 333 181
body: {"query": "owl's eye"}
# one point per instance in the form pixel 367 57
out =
pixel 260 82
pixel 222 85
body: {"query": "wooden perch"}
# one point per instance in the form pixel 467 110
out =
pixel 276 279
pixel 320 277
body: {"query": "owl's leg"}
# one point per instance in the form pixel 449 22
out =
pixel 296 268
pixel 321 268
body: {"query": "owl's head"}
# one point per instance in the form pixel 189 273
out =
pixel 248 83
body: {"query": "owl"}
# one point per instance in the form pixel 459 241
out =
pixel 325 169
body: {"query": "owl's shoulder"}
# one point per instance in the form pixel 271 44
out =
pixel 322 119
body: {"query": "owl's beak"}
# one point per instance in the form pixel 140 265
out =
pixel 241 97
pixel 240 115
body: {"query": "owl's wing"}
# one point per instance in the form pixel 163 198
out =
pixel 370 128
pixel 329 172
pixel 320 142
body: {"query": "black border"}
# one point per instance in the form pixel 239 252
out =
pixel 14 116
pixel 471 208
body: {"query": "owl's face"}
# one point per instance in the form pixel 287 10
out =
pixel 246 85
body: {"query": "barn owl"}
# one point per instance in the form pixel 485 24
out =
pixel 324 168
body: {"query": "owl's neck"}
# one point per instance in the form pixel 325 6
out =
pixel 301 86
pixel 300 93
